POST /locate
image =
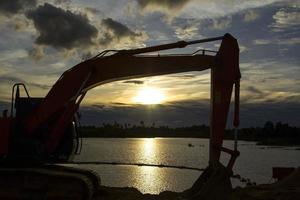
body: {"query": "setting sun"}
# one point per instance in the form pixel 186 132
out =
pixel 149 95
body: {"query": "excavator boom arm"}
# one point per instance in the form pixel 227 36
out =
pixel 64 98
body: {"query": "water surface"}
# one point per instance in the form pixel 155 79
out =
pixel 255 162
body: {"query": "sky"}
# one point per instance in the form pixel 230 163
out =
pixel 42 39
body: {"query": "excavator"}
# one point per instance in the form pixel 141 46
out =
pixel 40 133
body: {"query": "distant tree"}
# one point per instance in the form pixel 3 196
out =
pixel 142 123
pixel 268 128
pixel 153 125
pixel 117 125
pixel 282 129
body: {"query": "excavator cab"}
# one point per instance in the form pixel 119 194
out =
pixel 30 149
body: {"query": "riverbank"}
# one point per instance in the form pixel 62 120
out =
pixel 280 142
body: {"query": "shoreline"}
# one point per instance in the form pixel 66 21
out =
pixel 257 142
pixel 286 189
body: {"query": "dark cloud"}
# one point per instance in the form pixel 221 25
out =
pixel 12 80
pixel 116 30
pixel 92 10
pixel 119 104
pixel 98 106
pixel 61 28
pixel 137 82
pixel 185 76
pixel 5 79
pixel 9 7
pixel 175 114
pixel 191 105
pixel 192 113
pixel 169 4
pixel 254 90
pixel 293 98
pixel 256 114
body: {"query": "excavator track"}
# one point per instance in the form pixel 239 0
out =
pixel 47 182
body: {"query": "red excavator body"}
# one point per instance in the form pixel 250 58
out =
pixel 43 130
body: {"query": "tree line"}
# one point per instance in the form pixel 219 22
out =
pixel 278 133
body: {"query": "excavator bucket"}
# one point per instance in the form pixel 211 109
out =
pixel 213 184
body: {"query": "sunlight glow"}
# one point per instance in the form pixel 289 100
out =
pixel 149 95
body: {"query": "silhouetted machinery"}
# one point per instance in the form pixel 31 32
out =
pixel 39 133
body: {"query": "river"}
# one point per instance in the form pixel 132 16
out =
pixel 255 162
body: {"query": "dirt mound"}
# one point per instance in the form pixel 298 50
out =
pixel 287 189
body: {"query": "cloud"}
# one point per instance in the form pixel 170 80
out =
pixel 4 79
pixel 61 28
pixel 92 10
pixel 120 104
pixel 262 41
pixel 9 7
pixel 137 82
pixel 170 8
pixel 278 41
pixel 250 16
pixel 114 32
pixel 289 41
pixel 118 30
pixel 9 55
pixel 286 18
pixel 98 106
pixel 166 4
pixel 242 48
pixel 62 1
pixel 13 79
pixel 251 94
pixel 187 113
pixel 184 76
pixel 188 30
pixel 190 113
pixel 37 52
pixel 254 90
pixel 256 114
pixel 221 23
pixel 205 9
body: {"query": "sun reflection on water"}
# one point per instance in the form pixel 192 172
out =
pixel 149 177
pixel 148 147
